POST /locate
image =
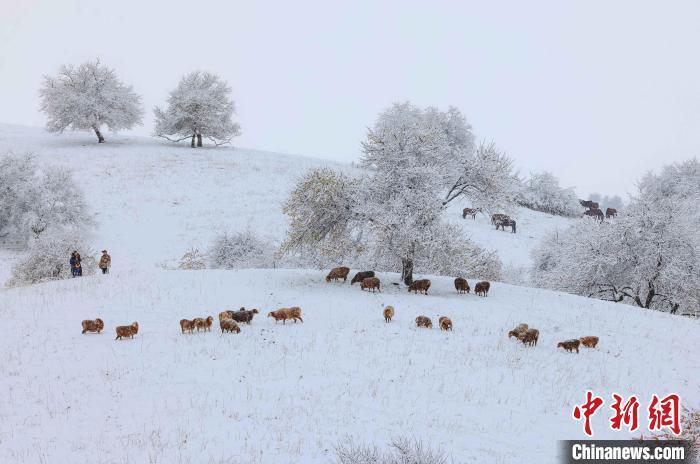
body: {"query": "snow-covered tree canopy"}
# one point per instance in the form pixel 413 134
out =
pixel 200 105
pixel 32 201
pixel 541 192
pixel 87 98
pixel 648 257
pixel 391 217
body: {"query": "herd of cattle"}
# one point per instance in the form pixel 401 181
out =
pixel 229 320
pixel 501 221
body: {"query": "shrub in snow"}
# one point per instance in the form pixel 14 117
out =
pixel 647 257
pixel 87 98
pixel 32 201
pixel 417 161
pixel 401 451
pixel 240 250
pixel 48 258
pixel 193 259
pixel 541 192
pixel 200 106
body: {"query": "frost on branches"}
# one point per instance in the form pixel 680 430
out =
pixel 648 257
pixel 34 201
pixel 391 217
pixel 87 98
pixel 541 192
pixel 200 106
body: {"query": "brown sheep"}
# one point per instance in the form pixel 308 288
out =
pixel 482 288
pixel 419 286
pixel 93 326
pixel 225 315
pixel 229 325
pixel 244 316
pixel 589 342
pixel 445 323
pixel 388 313
pixel 360 276
pixel 529 337
pixel 186 324
pixel 519 329
pixel 424 321
pixel 371 283
pixel 461 285
pixel 203 324
pixel 569 345
pixel 127 330
pixel 338 273
pixel 286 313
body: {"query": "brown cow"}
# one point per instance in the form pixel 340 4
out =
pixel 338 273
pixel 461 285
pixel 419 286
pixel 482 288
pixel 371 283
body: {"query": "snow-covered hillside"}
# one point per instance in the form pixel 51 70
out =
pixel 287 393
pixel 153 199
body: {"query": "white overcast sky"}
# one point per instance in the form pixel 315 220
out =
pixel 597 92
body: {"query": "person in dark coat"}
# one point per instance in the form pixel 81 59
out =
pixel 75 267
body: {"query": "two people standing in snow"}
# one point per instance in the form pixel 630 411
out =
pixel 75 267
pixel 105 262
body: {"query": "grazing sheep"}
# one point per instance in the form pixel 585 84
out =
pixel 589 342
pixel 482 288
pixel 388 313
pixel 203 324
pixel 461 285
pixel 569 345
pixel 93 326
pixel 424 321
pixel 360 276
pixel 338 273
pixel 419 286
pixel 610 213
pixel 186 324
pixel 529 337
pixel 229 325
pixel 244 315
pixel 225 315
pixel 596 212
pixel 519 329
pixel 445 323
pixel 286 313
pixel 127 330
pixel 507 223
pixel 370 283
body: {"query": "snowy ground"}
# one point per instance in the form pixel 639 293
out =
pixel 288 393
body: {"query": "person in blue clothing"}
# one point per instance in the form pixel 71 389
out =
pixel 75 267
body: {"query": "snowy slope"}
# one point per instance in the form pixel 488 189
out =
pixel 153 199
pixel 288 393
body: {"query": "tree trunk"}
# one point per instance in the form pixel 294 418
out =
pixel 407 270
pixel 100 139
pixel 199 139
pixel 193 136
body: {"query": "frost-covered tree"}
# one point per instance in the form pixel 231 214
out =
pixel 542 192
pixel 48 258
pixel 240 250
pixel 33 201
pixel 649 257
pixel 392 215
pixel 87 98
pixel 200 106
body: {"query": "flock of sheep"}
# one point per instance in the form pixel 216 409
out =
pixel 229 320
